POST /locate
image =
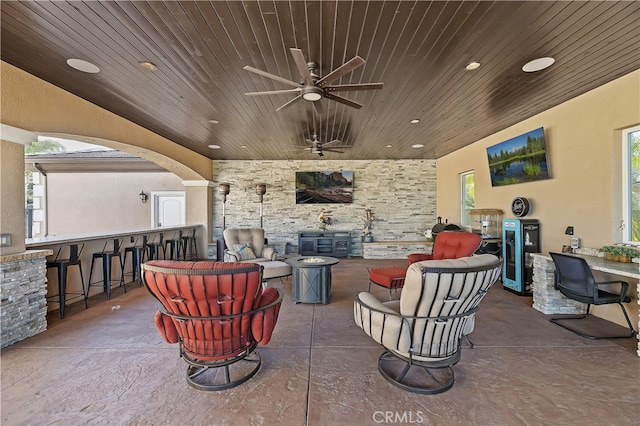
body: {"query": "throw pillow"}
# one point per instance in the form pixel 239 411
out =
pixel 245 251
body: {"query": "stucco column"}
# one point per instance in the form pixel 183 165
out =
pixel 12 219
pixel 200 211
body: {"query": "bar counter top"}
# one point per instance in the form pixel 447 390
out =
pixel 32 243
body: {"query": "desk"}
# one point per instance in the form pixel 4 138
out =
pixel 312 278
pixel 548 300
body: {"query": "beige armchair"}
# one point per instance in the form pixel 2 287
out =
pixel 246 245
pixel 421 333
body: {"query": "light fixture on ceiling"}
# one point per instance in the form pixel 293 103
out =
pixel 213 146
pixel 83 66
pixel 312 93
pixel 472 66
pixel 149 66
pixel 415 121
pixel 243 146
pixel 538 64
pixel 213 121
pixel 417 145
pixel 388 146
pixel 143 197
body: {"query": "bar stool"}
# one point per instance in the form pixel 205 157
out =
pixel 155 246
pixel 107 260
pixel 62 264
pixel 175 246
pixel 138 254
pixel 189 245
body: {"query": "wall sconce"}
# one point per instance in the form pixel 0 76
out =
pixel 223 189
pixel 143 197
pixel 569 230
pixel 261 189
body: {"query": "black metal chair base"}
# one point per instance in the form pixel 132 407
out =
pixel 557 321
pixel 415 377
pixel 226 375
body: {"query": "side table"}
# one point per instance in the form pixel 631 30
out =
pixel 312 278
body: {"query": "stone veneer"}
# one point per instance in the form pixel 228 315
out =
pixel 23 295
pixel 401 194
pixel 395 249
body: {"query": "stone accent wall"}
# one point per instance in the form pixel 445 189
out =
pixel 401 194
pixel 23 296
pixel 546 298
pixel 395 250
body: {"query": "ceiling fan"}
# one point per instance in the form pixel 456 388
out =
pixel 313 87
pixel 317 147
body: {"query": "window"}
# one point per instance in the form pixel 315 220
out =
pixel 468 199
pixel 631 185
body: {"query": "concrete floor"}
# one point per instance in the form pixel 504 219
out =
pixel 108 365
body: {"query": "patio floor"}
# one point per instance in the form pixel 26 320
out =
pixel 108 365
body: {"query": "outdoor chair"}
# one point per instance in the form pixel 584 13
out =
pixel 447 245
pixel 218 313
pixel 422 332
pixel 574 279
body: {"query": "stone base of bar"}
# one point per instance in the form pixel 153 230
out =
pixel 394 249
pixel 23 295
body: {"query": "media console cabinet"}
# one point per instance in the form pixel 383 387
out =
pixel 324 243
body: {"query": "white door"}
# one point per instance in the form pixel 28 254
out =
pixel 169 208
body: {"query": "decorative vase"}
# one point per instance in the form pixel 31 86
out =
pixel 367 238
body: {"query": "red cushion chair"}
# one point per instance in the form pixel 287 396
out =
pixel 218 313
pixel 450 245
pixel 447 245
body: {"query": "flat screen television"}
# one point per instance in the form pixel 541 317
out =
pixel 520 159
pixel 324 187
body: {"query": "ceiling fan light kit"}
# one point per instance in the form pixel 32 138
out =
pixel 313 88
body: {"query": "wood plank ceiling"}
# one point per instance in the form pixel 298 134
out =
pixel 418 49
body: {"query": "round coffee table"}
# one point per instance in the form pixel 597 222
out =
pixel 312 278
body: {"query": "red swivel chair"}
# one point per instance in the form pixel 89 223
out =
pixel 218 313
pixel 447 245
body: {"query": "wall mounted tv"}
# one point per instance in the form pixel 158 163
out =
pixel 324 187
pixel 520 159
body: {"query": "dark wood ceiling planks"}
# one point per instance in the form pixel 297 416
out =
pixel 418 49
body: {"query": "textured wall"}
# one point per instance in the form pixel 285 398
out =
pixel 12 205
pixel 401 194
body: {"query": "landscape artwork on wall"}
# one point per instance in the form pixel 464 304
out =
pixel 520 159
pixel 324 187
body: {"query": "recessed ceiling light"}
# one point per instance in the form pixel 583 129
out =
pixel 213 121
pixel 243 146
pixel 214 146
pixel 148 65
pixel 538 64
pixel 389 146
pixel 415 121
pixel 417 145
pixel 83 66
pixel 472 66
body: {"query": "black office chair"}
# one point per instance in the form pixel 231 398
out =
pixel 574 279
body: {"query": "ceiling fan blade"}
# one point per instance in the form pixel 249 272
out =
pixel 317 105
pixel 343 69
pixel 332 150
pixel 291 102
pixel 350 87
pixel 301 63
pixel 273 92
pixel 343 100
pixel 334 142
pixel 271 76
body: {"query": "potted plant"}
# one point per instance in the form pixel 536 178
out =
pixel 619 253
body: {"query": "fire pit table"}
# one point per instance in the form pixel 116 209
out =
pixel 312 278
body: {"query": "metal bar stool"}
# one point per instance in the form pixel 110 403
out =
pixel 189 245
pixel 174 246
pixel 62 264
pixel 107 260
pixel 155 247
pixel 138 254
